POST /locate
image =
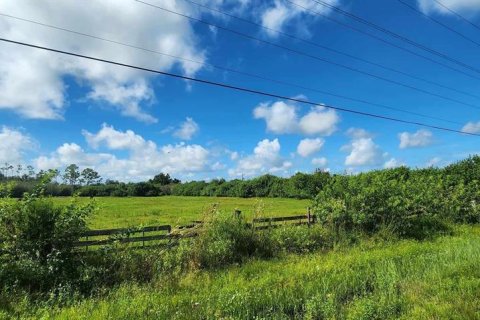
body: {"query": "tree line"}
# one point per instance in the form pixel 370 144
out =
pixel 89 183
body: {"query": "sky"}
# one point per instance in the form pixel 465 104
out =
pixel 130 125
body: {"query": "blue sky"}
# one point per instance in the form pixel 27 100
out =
pixel 130 125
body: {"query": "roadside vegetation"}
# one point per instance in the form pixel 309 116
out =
pixel 388 244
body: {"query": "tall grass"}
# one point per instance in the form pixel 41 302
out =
pixel 437 279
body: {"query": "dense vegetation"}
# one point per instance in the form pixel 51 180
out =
pixel 301 185
pixel 88 183
pixel 437 279
pixel 398 207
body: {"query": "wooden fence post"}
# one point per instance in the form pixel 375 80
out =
pixel 309 217
pixel 237 213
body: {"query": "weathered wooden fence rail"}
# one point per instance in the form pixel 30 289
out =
pixel 123 235
pixel 164 232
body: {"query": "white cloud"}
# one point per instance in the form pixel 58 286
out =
pixel 13 145
pixel 234 155
pixel 307 147
pixel 281 117
pixel 363 152
pixel 362 148
pixel 434 162
pixel 42 74
pixel 144 158
pixel 357 133
pixel 421 138
pixel 472 127
pixel 393 163
pixel 320 162
pixel 187 129
pixel 113 139
pixel 281 13
pixel 265 159
pixel 319 121
pixel 468 7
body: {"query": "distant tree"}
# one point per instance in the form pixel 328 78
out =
pixel 30 171
pixel 54 173
pixel 164 179
pixel 71 175
pixel 90 176
pixel 19 170
pixel 6 169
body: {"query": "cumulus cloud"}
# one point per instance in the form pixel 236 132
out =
pixel 13 145
pixel 320 162
pixel 282 117
pixel 421 138
pixel 392 163
pixel 143 160
pixel 42 74
pixel 472 127
pixel 362 149
pixel 281 13
pixel 187 129
pixel 266 158
pixel 357 133
pixel 468 7
pixel 307 147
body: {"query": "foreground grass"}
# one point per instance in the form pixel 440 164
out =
pixel 437 279
pixel 134 211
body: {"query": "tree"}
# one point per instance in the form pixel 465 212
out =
pixel 19 170
pixel 164 179
pixel 31 171
pixel 90 176
pixel 72 174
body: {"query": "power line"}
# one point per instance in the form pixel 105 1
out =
pixel 257 76
pixel 426 16
pixel 316 44
pixel 396 35
pixel 310 55
pixel 457 14
pixel 237 88
pixel 377 38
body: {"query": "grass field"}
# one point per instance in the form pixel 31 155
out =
pixel 437 279
pixel 134 211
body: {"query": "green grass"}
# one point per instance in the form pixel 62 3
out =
pixel 437 279
pixel 134 211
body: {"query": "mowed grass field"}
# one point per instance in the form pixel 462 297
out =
pixel 135 211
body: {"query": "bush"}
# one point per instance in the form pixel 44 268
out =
pixel 222 240
pixel 37 242
pixel 409 203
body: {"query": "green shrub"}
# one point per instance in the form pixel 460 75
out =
pixel 224 239
pixel 37 242
pixel 401 200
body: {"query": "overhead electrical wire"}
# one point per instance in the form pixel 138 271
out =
pixel 377 38
pixel 443 25
pixel 316 44
pixel 253 75
pixel 236 88
pixel 457 14
pixel 396 35
pixel 295 51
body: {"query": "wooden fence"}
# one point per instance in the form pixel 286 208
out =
pixel 165 232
